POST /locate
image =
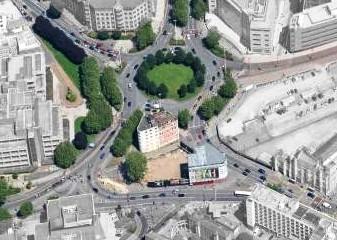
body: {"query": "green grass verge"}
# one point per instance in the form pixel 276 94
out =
pixel 173 76
pixel 78 128
pixel 68 66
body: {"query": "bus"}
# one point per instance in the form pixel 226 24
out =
pixel 242 193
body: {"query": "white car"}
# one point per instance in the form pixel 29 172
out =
pixel 130 85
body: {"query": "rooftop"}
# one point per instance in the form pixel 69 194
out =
pixel 104 4
pixel 206 155
pixel 155 120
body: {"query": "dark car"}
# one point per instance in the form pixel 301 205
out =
pixel 218 74
pixel 129 104
pixel 132 198
pixel 128 75
pixel 311 195
pixel 193 50
pixel 164 32
pixel 136 66
pixel 102 156
pixel 101 148
pixel 89 177
pixel 95 190
pixel 211 88
pixel 181 195
pixel 236 165
pixel 214 62
pixel 247 170
pixel 262 171
pixel 125 99
pixel 72 34
pixel 244 173
pixel 162 195
pixel 263 178
pixel 145 196
pixel 213 78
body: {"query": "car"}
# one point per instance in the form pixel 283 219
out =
pixel 145 196
pixel 213 78
pixel 262 171
pixel 129 104
pixel 181 195
pixel 101 148
pixel 244 173
pixel 290 190
pixel 236 165
pixel 129 85
pixel 128 75
pixel 147 109
pixel 211 88
pixel 263 178
pixel 95 190
pixel 164 32
pixel 164 49
pixel 199 98
pixel 193 50
pixel 72 34
pixel 132 198
pixel 102 156
pixel 136 66
pixel 214 62
pixel 311 195
pixel 162 195
pixel 89 177
pixel 247 170
pixel 125 99
pixel 218 74
pixel 92 48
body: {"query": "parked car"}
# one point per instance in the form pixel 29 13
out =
pixel 181 195
pixel 145 196
pixel 311 195
pixel 236 165
pixel 262 171
pixel 214 62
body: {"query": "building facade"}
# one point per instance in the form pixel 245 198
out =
pixel 30 125
pixel 157 130
pixel 109 15
pixel 313 27
pixel 253 20
pixel 287 217
pixel 206 165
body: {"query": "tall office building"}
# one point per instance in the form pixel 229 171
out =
pixel 287 217
pixel 30 126
pixel 313 27
pixel 109 15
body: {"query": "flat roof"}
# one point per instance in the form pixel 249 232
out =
pixel 104 4
pixel 155 120
pixel 205 155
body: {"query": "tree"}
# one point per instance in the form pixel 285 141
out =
pixel 91 124
pixel 144 36
pixel 64 155
pixel 179 56
pixel 103 35
pixel 189 59
pixel 199 78
pixel 160 57
pixel 212 39
pixel 184 117
pixel 116 35
pixel 110 89
pixel 136 166
pixel 6 190
pixel 151 61
pixel 182 91
pixel 169 57
pixel 162 90
pixel 4 214
pixel 198 9
pixel 81 141
pixel 180 12
pixel 26 209
pixel 89 76
pixel 99 116
pixel 228 90
pixel 191 86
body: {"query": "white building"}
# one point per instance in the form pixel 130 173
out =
pixel 254 21
pixel 207 165
pixel 287 217
pixel 109 15
pixel 157 130
pixel 30 126
pixel 313 27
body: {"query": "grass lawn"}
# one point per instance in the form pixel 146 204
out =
pixel 173 76
pixel 68 66
pixel 78 124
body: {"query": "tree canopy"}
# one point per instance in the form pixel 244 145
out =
pixel 180 12
pixel 228 90
pixel 4 214
pixel 26 209
pixel 144 36
pixel 211 42
pixel 6 190
pixel 184 117
pixel 80 141
pixel 211 107
pixel 110 89
pixel 136 166
pixel 198 9
pixel 64 155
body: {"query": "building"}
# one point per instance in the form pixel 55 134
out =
pixel 313 27
pixel 206 165
pixel 109 15
pixel 252 20
pixel 30 126
pixel 156 130
pixel 287 217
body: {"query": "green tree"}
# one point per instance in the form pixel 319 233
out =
pixel 116 35
pixel 103 35
pixel 144 36
pixel 80 141
pixel 184 117
pixel 179 56
pixel 182 91
pixel 151 61
pixel 189 59
pixel 109 88
pixel 91 123
pixel 26 209
pixel 228 90
pixel 212 39
pixel 6 190
pixel 89 76
pixel 4 214
pixel 64 155
pixel 211 107
pixel 136 166
pixel 162 90
pixel 191 86
pixel 198 9
pixel 169 57
pixel 160 57
pixel 180 12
